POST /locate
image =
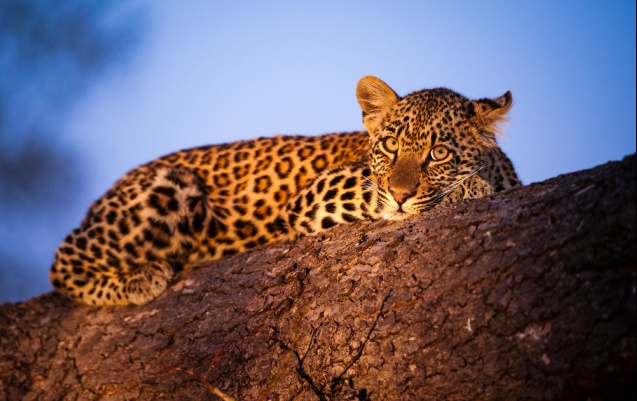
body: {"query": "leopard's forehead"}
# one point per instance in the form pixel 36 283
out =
pixel 426 117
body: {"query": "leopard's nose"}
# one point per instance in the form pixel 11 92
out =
pixel 400 196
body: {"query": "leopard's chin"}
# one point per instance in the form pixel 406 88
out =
pixel 395 215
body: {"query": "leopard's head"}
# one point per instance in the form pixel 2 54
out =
pixel 426 143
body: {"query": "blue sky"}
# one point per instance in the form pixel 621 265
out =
pixel 214 72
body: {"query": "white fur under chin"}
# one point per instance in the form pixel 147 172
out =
pixel 395 215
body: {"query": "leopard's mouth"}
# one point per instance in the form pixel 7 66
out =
pixel 396 215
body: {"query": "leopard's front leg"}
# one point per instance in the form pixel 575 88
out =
pixel 469 188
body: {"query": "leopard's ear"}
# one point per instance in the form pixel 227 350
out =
pixel 488 115
pixel 375 98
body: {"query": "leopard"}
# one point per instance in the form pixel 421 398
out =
pixel 431 147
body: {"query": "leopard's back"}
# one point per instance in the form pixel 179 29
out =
pixel 249 182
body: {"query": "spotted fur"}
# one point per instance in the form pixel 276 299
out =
pixel 430 147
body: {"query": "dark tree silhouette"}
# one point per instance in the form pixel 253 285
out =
pixel 50 54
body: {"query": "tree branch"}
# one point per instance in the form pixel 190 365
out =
pixel 527 294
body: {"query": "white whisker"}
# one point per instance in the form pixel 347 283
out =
pixel 368 183
pixel 453 186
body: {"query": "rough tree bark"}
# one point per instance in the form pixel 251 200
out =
pixel 528 294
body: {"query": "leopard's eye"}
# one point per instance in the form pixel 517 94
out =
pixel 439 153
pixel 390 145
